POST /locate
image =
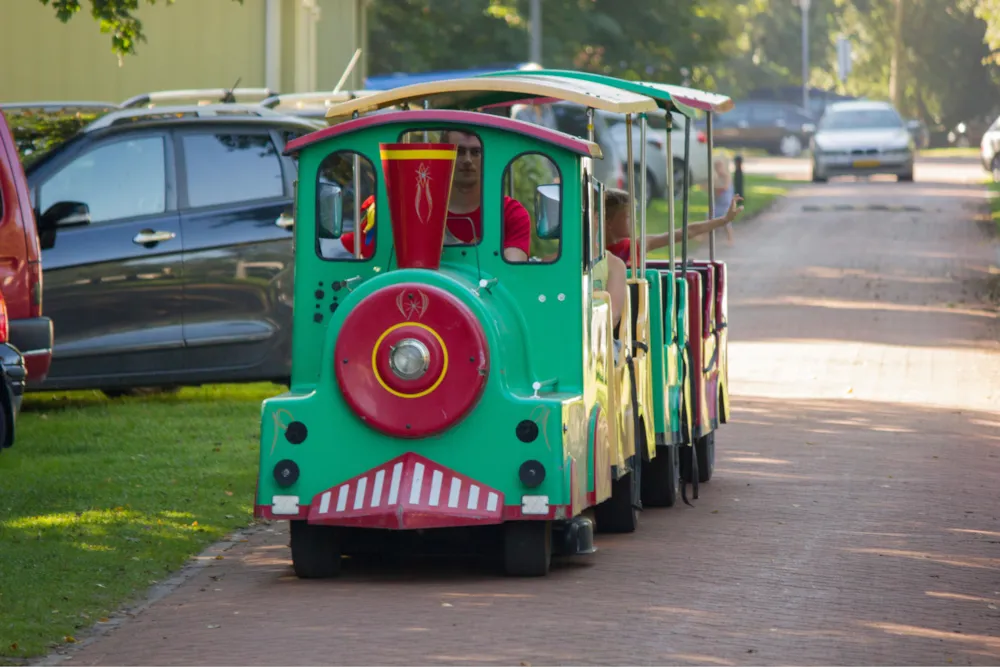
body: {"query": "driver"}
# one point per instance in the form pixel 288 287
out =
pixel 465 216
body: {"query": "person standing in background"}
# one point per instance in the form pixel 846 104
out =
pixel 723 188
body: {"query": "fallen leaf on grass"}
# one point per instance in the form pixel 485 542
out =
pixel 13 647
pixel 69 639
pixel 229 493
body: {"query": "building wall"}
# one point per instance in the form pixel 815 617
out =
pixel 191 44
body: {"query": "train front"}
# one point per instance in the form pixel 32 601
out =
pixel 410 422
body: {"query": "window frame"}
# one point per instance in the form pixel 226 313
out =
pixel 169 166
pixel 183 196
pixel 562 222
pixel 316 206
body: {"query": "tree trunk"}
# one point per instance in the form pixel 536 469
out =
pixel 896 67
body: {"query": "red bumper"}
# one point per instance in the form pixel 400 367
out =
pixel 406 493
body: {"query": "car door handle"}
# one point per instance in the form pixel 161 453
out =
pixel 285 221
pixel 147 236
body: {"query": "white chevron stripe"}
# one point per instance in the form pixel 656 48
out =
pixel 377 488
pixel 342 497
pixel 324 503
pixel 397 472
pixel 456 487
pixel 418 482
pixel 359 497
pixel 435 488
pixel 473 497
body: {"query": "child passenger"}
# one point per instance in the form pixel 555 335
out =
pixel 617 222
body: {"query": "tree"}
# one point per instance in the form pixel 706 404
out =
pixel 115 16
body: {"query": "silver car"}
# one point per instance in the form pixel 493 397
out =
pixel 862 138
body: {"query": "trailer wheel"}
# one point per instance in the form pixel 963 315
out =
pixel 705 451
pixel 662 478
pixel 527 548
pixel 315 550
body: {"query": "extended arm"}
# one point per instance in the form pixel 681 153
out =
pixel 697 229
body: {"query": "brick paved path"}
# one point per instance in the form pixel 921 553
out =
pixel 852 519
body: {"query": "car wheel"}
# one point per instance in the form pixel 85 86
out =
pixel 817 177
pixel 791 146
pixel 650 185
pixel 995 168
pixel 678 178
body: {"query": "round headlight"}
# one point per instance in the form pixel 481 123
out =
pixel 409 359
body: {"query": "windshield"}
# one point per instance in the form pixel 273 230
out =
pixel 861 119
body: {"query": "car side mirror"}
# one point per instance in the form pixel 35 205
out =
pixel 548 215
pixel 808 128
pixel 66 214
pixel 61 214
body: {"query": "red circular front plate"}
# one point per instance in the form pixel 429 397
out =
pixel 457 369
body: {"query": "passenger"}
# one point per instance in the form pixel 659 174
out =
pixel 617 223
pixel 465 215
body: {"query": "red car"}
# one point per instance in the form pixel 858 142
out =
pixel 21 265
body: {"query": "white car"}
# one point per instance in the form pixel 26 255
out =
pixel 989 150
pixel 656 140
pixel 862 138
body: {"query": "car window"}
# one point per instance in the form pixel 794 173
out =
pixel 845 119
pixel 571 121
pixel 122 179
pixel 224 168
pixel 767 113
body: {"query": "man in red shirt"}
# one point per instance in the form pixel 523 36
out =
pixel 465 213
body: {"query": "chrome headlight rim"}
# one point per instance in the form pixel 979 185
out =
pixel 409 359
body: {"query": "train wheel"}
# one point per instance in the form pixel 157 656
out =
pixel 315 550
pixel 527 548
pixel 705 450
pixel 662 478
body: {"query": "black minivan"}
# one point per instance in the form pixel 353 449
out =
pixel 167 247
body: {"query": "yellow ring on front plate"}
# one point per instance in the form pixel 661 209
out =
pixel 444 364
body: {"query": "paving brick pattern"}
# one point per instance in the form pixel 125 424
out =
pixel 853 518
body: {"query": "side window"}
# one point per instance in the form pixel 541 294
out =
pixel 335 198
pixel 123 179
pixel 224 168
pixel 532 208
pixel 571 120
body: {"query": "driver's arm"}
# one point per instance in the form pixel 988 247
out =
pixel 515 255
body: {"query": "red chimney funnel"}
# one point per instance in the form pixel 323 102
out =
pixel 418 186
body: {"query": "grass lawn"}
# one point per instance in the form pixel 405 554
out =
pixel 102 498
pixel 760 191
pixel 994 202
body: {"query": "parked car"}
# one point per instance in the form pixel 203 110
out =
pixel 989 148
pixel 818 97
pixel 21 263
pixel 12 374
pixel 777 127
pixel 167 246
pixel 862 138
pixel 920 132
pixel 572 119
pixel 656 140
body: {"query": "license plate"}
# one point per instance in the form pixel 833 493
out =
pixel 866 163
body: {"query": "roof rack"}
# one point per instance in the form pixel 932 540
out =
pixel 303 100
pixel 172 112
pixel 203 95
